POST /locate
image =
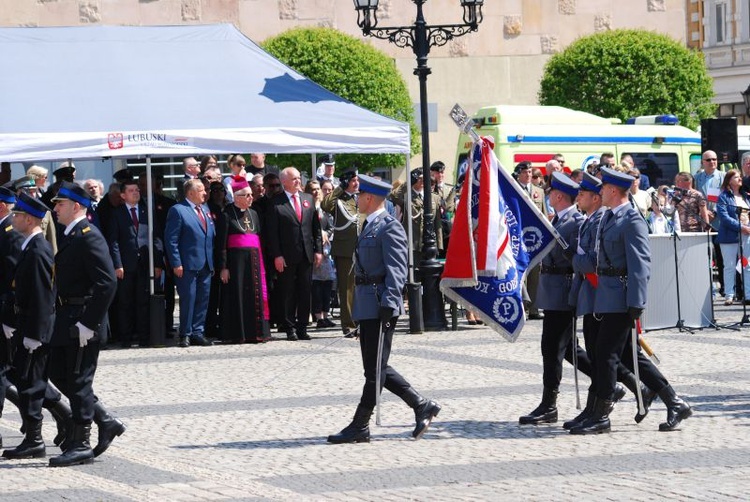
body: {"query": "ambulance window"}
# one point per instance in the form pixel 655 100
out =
pixel 695 162
pixel 660 168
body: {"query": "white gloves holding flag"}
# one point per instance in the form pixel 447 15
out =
pixel 7 331
pixel 84 334
pixel 30 344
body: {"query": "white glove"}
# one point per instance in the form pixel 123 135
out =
pixel 8 331
pixel 31 345
pixel 84 334
pixel 580 250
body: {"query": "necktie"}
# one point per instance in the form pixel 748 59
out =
pixel 201 217
pixel 364 225
pixel 297 208
pixel 134 216
pixel 555 220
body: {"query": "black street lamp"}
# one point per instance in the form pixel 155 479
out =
pixel 421 37
pixel 746 99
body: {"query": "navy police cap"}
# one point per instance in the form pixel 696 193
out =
pixel 7 196
pixel 616 178
pixel 368 184
pixel 73 192
pixel 566 185
pixel 590 183
pixel 30 205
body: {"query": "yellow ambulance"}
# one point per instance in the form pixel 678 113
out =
pixel 659 146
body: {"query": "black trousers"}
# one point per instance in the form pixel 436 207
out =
pixel 557 344
pixel 614 346
pixel 78 388
pixel 32 387
pixel 295 283
pixel 389 378
pixel 132 304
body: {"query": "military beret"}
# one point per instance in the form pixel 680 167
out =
pixel 437 166
pixel 415 174
pixel 347 176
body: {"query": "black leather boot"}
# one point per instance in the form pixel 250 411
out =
pixel 109 428
pixel 11 394
pixel 620 392
pixel 424 411
pixel 60 411
pixel 588 410
pixel 80 451
pixel 32 445
pixel 648 396
pixel 598 422
pixel 677 409
pixel 545 413
pixel 358 431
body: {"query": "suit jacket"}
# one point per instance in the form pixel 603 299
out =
pixel 289 237
pixel 343 207
pixel 554 288
pixel 35 291
pixel 10 252
pixel 582 291
pixel 83 269
pixel 623 245
pixel 726 213
pixel 186 243
pixel 123 238
pixel 382 251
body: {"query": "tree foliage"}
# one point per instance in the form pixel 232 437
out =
pixel 355 71
pixel 625 73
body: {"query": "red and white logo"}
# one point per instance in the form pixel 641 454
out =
pixel 115 140
pixel 305 204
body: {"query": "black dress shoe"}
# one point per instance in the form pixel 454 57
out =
pixel 291 336
pixel 184 341
pixel 329 322
pixel 302 335
pixel 201 341
pixel 424 414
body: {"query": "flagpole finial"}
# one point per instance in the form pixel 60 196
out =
pixel 463 121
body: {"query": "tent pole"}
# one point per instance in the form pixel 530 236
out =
pixel 150 219
pixel 413 289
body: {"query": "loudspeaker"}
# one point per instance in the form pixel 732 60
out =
pixel 720 135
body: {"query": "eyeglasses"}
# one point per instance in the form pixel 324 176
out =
pixel 536 177
pixel 712 159
pixel 243 195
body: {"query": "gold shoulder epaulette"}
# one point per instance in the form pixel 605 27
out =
pixel 85 230
pixel 9 228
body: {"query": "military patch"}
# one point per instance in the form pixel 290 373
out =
pixel 85 230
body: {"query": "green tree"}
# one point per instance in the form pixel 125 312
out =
pixel 355 71
pixel 625 73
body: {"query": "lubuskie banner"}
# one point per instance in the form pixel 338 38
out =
pixel 498 234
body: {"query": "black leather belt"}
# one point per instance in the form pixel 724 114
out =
pixel 612 272
pixel 361 281
pixel 75 301
pixel 557 270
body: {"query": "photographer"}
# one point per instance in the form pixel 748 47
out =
pixel 732 209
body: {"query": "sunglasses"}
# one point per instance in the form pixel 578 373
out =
pixel 536 176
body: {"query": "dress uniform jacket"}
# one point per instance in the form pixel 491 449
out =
pixel 582 291
pixel 623 262
pixel 343 207
pixel 10 251
pixel 35 291
pixel 381 256
pixel 557 270
pixel 83 270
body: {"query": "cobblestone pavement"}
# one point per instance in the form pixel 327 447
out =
pixel 249 423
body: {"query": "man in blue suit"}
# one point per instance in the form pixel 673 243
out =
pixel 623 269
pixel 189 241
pixel 127 235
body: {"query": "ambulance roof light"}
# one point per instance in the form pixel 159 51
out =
pixel 667 119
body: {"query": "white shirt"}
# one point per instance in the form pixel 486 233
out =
pixel 371 217
pixel 69 228
pixel 28 239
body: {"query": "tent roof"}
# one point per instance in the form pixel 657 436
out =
pixel 82 92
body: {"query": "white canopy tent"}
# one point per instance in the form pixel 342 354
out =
pixel 121 91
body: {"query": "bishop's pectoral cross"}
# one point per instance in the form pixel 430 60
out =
pixel 246 221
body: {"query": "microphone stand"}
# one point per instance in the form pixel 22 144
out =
pixel 680 321
pixel 745 320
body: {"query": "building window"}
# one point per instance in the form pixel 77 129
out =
pixel 720 23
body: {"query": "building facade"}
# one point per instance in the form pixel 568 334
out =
pixel 502 63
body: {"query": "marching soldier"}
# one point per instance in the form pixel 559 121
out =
pixel 554 287
pixel 342 205
pixel 623 269
pixel 582 297
pixel 380 265
pixel 35 315
pixel 417 213
pixel 86 285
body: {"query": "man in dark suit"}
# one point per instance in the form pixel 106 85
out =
pixel 294 242
pixel 128 243
pixel 191 168
pixel 86 285
pixel 35 316
pixel 189 246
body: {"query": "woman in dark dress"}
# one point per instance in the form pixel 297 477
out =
pixel 245 299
